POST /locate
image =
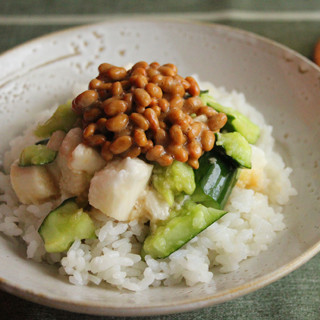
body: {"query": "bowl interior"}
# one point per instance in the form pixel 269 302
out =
pixel 279 83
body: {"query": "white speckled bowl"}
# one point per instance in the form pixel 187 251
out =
pixel 283 85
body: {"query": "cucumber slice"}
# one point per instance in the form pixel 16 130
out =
pixel 236 120
pixel 215 179
pixel 63 119
pixel 189 221
pixel 235 146
pixel 64 225
pixel 36 155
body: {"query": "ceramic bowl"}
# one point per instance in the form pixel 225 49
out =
pixel 282 84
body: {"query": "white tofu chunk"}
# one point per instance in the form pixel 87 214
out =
pixel 115 189
pixel 32 185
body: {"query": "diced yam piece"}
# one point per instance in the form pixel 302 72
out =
pixel 150 206
pixel 72 182
pixel 32 185
pixel 255 178
pixel 85 158
pixel 56 140
pixel 71 140
pixel 54 171
pixel 54 144
pixel 115 189
pixel 158 208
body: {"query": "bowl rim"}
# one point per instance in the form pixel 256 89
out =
pixel 187 305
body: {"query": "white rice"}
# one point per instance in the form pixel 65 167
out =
pixel 254 219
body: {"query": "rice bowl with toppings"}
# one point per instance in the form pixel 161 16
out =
pixel 253 220
pixel 281 84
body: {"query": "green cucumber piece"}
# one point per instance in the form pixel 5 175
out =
pixel 215 179
pixel 64 225
pixel 173 180
pixel 236 120
pixel 63 119
pixel 189 221
pixel 36 155
pixel 235 146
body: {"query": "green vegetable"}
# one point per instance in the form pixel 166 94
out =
pixel 62 119
pixel 235 146
pixel 236 120
pixel 36 155
pixel 173 180
pixel 188 222
pixel 215 179
pixel 64 225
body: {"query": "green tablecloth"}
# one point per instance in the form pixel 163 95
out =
pixel 293 23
